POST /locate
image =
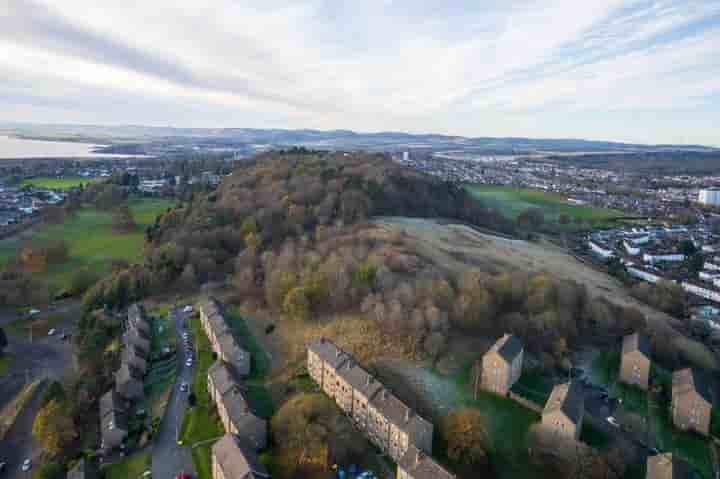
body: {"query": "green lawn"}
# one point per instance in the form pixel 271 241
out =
pixel 131 467
pixel 40 325
pixel 91 239
pixel 201 422
pixel 512 201
pixel 203 461
pixel 6 361
pixel 58 183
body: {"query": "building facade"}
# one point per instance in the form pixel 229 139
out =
pixel 635 361
pixel 691 401
pixel 233 460
pixel 564 411
pixel 502 365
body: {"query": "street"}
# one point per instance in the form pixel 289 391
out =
pixel 169 458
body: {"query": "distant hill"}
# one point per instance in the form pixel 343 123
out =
pixel 327 139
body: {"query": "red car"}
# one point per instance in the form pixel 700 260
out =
pixel 182 475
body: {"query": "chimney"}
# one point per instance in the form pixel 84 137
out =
pixel 368 380
pixel 408 414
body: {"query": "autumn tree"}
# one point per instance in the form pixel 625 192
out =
pixel 297 304
pixel 54 428
pixel 465 435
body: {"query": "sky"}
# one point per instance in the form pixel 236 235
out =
pixel 640 71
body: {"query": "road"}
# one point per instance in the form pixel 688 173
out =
pixel 169 458
pixel 18 444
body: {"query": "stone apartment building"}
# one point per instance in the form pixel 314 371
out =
pixel 134 358
pixel 666 466
pixel 387 421
pixel 236 416
pixel 691 401
pixel 137 319
pixel 113 421
pixel 635 361
pixel 137 339
pixel 221 338
pixel 128 382
pixel 564 410
pixel 502 365
pixel 84 469
pixel 231 459
pixel 415 464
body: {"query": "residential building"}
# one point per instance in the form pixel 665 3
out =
pixel 691 401
pixel 138 339
pixel 134 358
pixel 233 460
pixel 415 464
pixel 113 421
pixel 388 422
pixel 564 410
pixel 84 469
pixel 128 381
pixel 233 409
pixel 702 291
pixel 643 274
pixel 600 249
pixel 659 257
pixel 502 365
pixel 221 338
pixel 666 466
pixel 635 361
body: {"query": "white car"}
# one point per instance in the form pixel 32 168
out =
pixel 26 465
pixel 187 309
pixel 613 421
pixel 51 332
pixel 34 312
pixel 189 362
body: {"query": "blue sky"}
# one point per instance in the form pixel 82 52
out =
pixel 642 71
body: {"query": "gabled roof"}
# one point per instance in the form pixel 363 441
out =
pixel 665 466
pixel 233 353
pixel 329 352
pixel 421 466
pixel 567 398
pixel 236 460
pixel 221 376
pixel 110 402
pixel 130 356
pixel 399 414
pixel 636 342
pixel 508 347
pixel 360 380
pixel 688 380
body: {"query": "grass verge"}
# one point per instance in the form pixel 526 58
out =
pixel 6 361
pixel 10 413
pixel 57 183
pixel 202 460
pixel 131 467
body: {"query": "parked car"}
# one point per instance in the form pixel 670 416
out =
pixel 34 312
pixel 187 309
pixel 189 362
pixel 182 475
pixel 51 332
pixel 26 465
pixel 3 466
pixel 184 387
pixel 613 421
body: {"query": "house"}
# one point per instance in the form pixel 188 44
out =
pixel 137 319
pixel 324 360
pixel 233 409
pixel 364 387
pixel 635 361
pixel 134 358
pixel 691 401
pixel 113 421
pixel 84 469
pixel 136 338
pixel 233 460
pixel 129 383
pixel 221 338
pixel 600 249
pixel 564 410
pixel 415 464
pixel 502 365
pixel 666 466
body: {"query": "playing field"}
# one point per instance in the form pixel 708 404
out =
pixel 91 239
pixel 57 183
pixel 513 201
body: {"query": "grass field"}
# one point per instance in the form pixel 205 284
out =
pixel 57 183
pixel 513 201
pixel 40 326
pixel 91 239
pixel 130 467
pixel 6 361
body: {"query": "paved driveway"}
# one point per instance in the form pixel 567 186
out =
pixel 168 457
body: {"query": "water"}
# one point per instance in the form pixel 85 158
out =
pixel 17 148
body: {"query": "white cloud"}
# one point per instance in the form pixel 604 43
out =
pixel 477 68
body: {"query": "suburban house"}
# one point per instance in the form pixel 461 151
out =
pixel 84 469
pixel 564 410
pixel 635 361
pixel 415 464
pixel 502 365
pixel 691 401
pixel 387 422
pixel 221 338
pixel 233 460
pixel 233 409
pixel 666 466
pixel 128 382
pixel 113 421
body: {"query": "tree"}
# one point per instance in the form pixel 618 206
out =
pixel 49 470
pixel 54 428
pixel 531 219
pixel 687 247
pixel 82 280
pixel 465 435
pixel 123 221
pixel 3 341
pixel 296 304
pixel 564 219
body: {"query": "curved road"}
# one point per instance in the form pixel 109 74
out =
pixel 169 458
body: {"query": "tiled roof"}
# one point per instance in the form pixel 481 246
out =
pixel 329 352
pixel 567 398
pixel 689 380
pixel 508 347
pixel 421 466
pixel 665 466
pixel 237 460
pixel 636 342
